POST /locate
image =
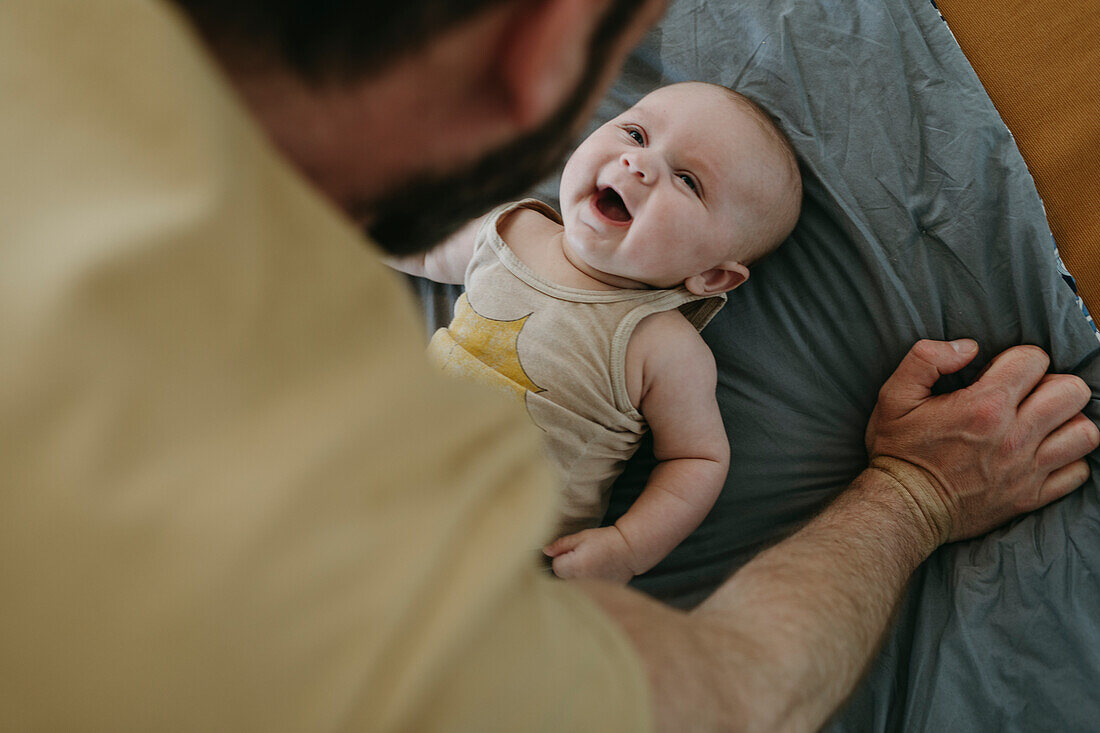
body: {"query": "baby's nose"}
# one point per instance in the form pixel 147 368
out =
pixel 634 162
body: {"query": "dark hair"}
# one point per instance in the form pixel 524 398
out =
pixel 328 39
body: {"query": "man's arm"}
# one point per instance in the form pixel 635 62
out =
pixel 446 262
pixel 782 643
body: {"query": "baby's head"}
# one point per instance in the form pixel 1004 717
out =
pixel 691 185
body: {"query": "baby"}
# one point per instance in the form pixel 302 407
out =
pixel 592 319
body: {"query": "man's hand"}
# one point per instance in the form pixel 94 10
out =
pixel 601 553
pixel 971 460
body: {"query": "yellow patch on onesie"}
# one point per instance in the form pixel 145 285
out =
pixel 484 349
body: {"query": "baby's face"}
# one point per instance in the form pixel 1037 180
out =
pixel 667 189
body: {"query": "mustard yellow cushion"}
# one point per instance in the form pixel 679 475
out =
pixel 1038 62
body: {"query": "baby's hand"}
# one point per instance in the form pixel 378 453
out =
pixel 593 553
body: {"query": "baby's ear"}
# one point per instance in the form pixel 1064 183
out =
pixel 721 279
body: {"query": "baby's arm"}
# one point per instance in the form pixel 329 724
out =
pixel 689 441
pixel 447 261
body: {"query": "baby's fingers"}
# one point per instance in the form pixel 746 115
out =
pixel 562 544
pixel 567 565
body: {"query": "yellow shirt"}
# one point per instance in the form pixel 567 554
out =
pixel 232 494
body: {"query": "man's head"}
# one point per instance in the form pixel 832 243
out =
pixel 691 185
pixel 419 115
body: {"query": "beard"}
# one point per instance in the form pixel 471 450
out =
pixel 428 208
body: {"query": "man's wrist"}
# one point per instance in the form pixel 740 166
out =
pixel 915 491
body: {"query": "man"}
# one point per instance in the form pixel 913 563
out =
pixel 234 495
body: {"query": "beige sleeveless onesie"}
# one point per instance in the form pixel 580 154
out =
pixel 562 351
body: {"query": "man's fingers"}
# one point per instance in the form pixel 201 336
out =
pixel 1017 371
pixel 1075 439
pixel 1062 482
pixel 925 363
pixel 1057 399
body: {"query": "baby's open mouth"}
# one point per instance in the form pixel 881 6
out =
pixel 611 205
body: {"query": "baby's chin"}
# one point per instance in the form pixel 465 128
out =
pixel 593 260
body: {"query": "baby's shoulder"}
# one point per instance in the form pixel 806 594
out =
pixel 665 346
pixel 523 225
pixel 666 324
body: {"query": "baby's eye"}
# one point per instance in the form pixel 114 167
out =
pixel 637 136
pixel 689 181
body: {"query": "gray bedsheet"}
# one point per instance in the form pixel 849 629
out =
pixel 920 220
